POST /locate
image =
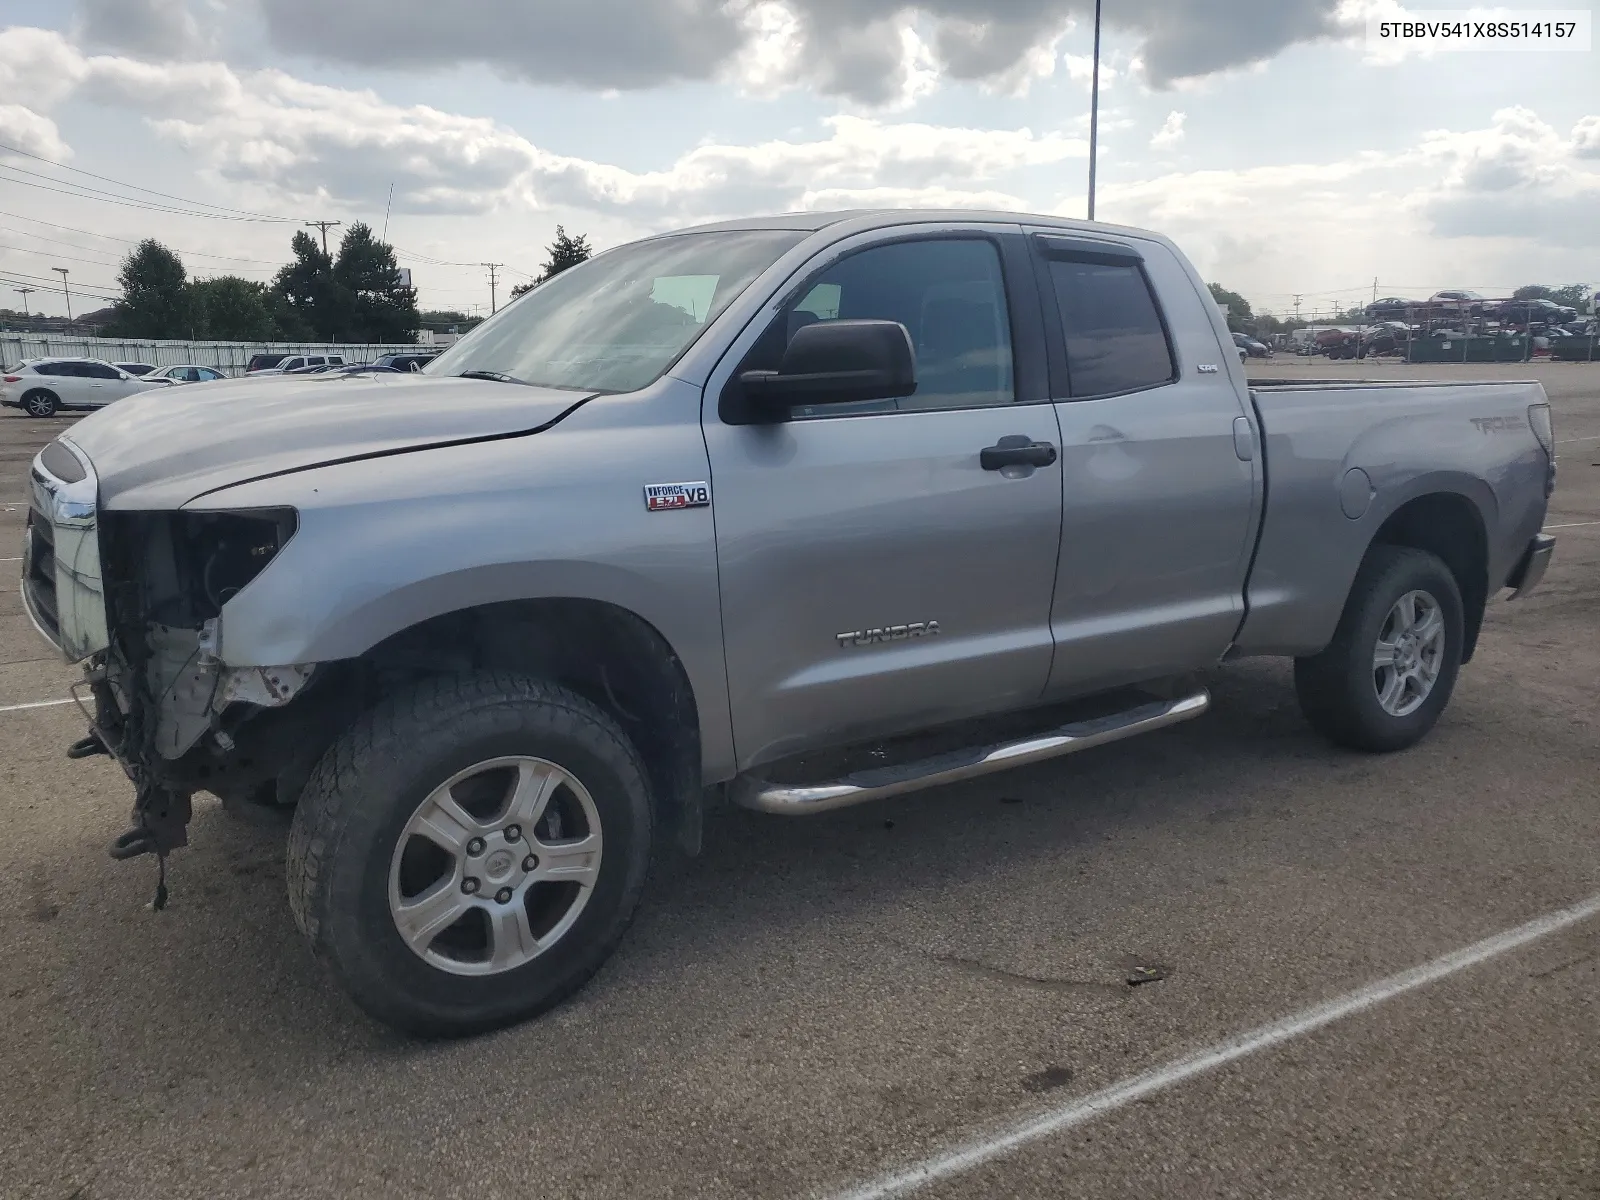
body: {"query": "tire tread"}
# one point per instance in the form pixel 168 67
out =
pixel 329 813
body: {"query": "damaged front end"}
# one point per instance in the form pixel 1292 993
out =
pixel 137 598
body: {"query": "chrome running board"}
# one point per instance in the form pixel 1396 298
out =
pixel 876 783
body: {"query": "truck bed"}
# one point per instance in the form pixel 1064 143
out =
pixel 1343 457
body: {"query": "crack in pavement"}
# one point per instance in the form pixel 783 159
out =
pixel 983 970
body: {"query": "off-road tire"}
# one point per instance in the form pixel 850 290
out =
pixel 1336 688
pixel 372 779
pixel 41 402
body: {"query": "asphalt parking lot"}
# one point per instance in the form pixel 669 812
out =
pixel 814 1003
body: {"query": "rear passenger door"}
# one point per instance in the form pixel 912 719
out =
pixel 1160 489
pixel 876 575
pixel 71 388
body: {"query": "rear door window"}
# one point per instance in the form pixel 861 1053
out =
pixel 1115 339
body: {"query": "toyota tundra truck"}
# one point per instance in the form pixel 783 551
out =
pixel 791 513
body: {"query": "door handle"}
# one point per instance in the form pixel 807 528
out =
pixel 1017 450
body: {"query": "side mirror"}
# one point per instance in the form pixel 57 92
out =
pixel 838 362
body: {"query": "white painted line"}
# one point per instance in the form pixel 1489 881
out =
pixel 1569 441
pixel 1572 525
pixel 1007 1138
pixel 34 704
pixel 17 559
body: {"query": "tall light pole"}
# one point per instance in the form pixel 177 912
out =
pixel 1094 109
pixel 25 292
pixel 65 291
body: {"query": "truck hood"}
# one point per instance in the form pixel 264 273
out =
pixel 163 448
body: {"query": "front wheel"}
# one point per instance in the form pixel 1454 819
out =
pixel 1388 673
pixel 470 852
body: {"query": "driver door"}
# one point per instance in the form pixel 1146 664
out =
pixel 875 576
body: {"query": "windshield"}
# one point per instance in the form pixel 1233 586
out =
pixel 618 321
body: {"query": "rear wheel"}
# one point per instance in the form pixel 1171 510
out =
pixel 470 852
pixel 41 403
pixel 1388 673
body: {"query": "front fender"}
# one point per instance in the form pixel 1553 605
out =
pixel 386 544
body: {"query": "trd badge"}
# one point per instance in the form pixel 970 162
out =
pixel 659 497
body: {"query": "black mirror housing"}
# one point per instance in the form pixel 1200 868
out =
pixel 838 362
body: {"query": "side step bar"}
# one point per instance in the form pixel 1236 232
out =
pixel 876 783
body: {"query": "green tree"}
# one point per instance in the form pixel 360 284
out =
pixel 560 254
pixel 155 295
pixel 291 324
pixel 376 305
pixel 307 300
pixel 521 288
pixel 1239 314
pixel 229 308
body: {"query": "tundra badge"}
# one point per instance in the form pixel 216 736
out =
pixel 658 497
pixel 887 633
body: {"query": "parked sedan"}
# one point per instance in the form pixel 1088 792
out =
pixel 1533 312
pixel 42 387
pixel 1391 308
pixel 1462 303
pixel 188 373
pixel 1252 347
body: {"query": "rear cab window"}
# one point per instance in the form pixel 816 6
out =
pixel 1112 330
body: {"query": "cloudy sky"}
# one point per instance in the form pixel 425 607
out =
pixel 1263 135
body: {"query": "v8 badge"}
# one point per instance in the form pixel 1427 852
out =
pixel 659 497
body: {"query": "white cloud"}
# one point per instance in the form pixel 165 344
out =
pixel 30 132
pixel 1586 138
pixel 1513 198
pixel 849 48
pixel 1170 133
pixel 312 142
pixel 1519 178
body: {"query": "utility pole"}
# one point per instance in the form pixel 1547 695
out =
pixel 1297 308
pixel 1094 110
pixel 65 291
pixel 324 226
pixel 492 268
pixel 1374 289
pixel 25 292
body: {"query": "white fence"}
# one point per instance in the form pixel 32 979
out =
pixel 226 356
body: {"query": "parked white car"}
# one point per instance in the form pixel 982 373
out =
pixel 188 373
pixel 42 387
pixel 295 362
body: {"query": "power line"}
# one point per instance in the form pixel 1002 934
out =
pixel 10 276
pixel 135 187
pixel 93 262
pixel 125 201
pixel 125 241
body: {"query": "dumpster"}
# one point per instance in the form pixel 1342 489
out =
pixel 1481 349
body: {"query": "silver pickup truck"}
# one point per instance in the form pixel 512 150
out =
pixel 794 512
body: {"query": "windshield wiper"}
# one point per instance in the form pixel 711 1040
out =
pixel 493 377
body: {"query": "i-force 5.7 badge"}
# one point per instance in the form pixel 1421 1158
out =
pixel 658 497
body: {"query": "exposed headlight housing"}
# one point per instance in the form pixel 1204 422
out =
pixel 179 568
pixel 227 550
